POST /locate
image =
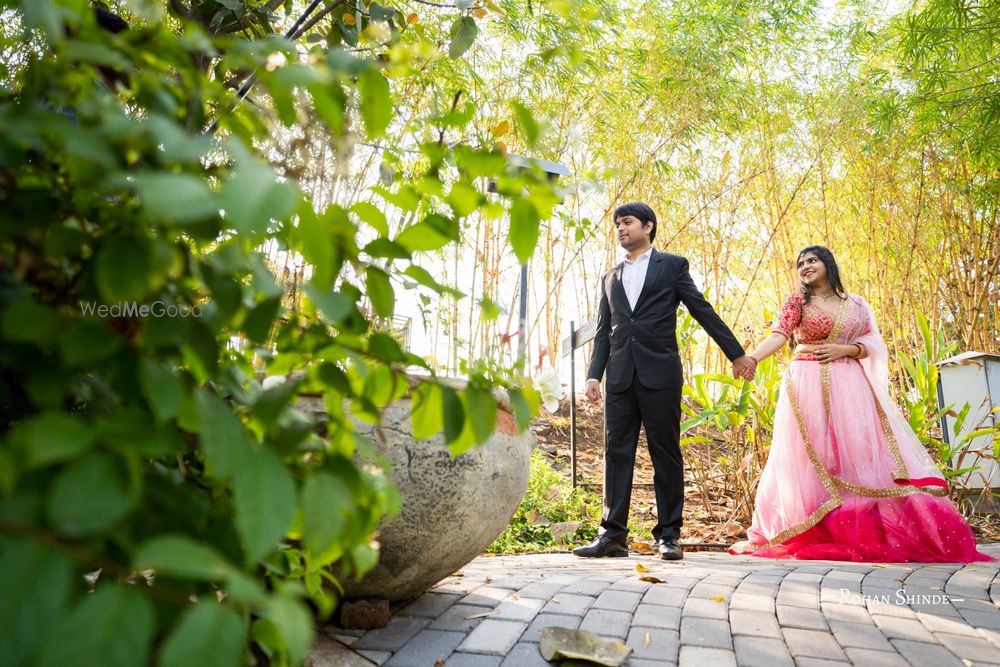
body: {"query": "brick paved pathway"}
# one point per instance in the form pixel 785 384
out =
pixel 711 610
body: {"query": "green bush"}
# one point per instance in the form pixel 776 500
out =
pixel 140 449
pixel 550 499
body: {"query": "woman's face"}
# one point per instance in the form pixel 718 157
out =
pixel 812 271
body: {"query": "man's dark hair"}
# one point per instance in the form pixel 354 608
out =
pixel 641 211
pixel 108 19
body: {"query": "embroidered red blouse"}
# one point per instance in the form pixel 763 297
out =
pixel 810 323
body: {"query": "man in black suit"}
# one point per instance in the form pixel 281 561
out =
pixel 636 343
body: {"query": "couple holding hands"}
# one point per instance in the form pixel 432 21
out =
pixel 846 478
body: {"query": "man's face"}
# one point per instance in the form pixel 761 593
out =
pixel 631 232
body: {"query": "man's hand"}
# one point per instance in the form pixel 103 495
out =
pixel 745 367
pixel 594 390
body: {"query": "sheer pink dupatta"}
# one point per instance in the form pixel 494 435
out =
pixel 915 466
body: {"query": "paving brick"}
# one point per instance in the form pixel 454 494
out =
pixel 665 595
pixel 460 618
pixel 426 648
pixel 812 644
pixel 618 600
pixel 607 622
pixel 800 617
pixel 586 587
pixel 860 635
pixel 376 657
pixel 753 623
pixel 768 589
pixel 653 644
pixel 632 585
pixel 700 656
pixel 472 660
pixel 706 590
pixel 762 652
pixel 430 605
pixel 400 630
pixel 970 648
pixel 846 612
pixel 921 654
pixel 493 636
pixel 540 589
pixel 518 609
pixel 568 603
pixel 525 655
pixel 706 608
pixel 657 616
pixel 486 596
pixel 705 632
pixel 751 602
pixel 807 600
pixel 894 627
pixel 820 662
pixel 954 625
pixel 542 621
pixel 872 658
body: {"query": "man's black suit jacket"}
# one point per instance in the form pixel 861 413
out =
pixel 645 340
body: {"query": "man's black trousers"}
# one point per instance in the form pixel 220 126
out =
pixel 659 412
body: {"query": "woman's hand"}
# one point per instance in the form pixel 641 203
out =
pixel 831 352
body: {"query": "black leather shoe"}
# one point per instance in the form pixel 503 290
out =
pixel 669 549
pixel 602 547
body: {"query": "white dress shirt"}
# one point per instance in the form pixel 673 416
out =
pixel 633 278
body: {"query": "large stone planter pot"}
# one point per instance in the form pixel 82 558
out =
pixel 452 508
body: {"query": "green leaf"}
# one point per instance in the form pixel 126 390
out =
pixel 36 583
pixel 112 627
pixel 84 344
pixel 323 498
pixel 258 323
pixel 253 197
pixel 176 198
pixel 380 291
pixel 482 412
pixel 463 33
pixel 52 437
pixel 335 306
pixel 29 322
pixel 527 122
pixel 210 635
pixel 385 348
pixel 423 277
pixel 371 214
pixel 181 557
pixel 222 437
pixel 295 624
pixel 454 414
pixel 524 228
pixel 89 496
pixel 161 387
pixel 123 270
pixel 427 411
pixel 264 493
pixel 382 247
pixel 522 409
pixel 432 233
pixel 375 102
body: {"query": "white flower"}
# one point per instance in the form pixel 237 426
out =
pixel 549 387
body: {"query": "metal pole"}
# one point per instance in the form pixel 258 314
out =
pixel 572 400
pixel 522 318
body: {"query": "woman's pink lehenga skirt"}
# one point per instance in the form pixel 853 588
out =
pixel 839 489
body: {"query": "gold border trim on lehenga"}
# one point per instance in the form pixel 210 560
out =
pixel 830 481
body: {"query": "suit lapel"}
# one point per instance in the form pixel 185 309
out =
pixel 652 271
pixel 618 289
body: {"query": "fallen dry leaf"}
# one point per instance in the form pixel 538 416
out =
pixel 647 641
pixel 651 579
pixel 719 598
pixel 639 567
pixel 459 573
pixel 482 615
pixel 564 644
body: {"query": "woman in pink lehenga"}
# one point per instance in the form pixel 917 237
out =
pixel 846 477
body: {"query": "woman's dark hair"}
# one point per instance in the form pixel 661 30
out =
pixel 832 271
pixel 641 211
